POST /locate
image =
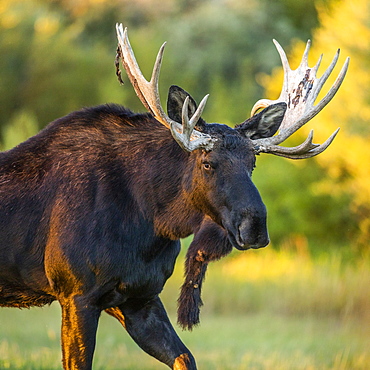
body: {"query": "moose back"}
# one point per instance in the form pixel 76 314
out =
pixel 92 208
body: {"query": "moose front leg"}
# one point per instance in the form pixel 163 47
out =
pixel 79 325
pixel 210 243
pixel 149 326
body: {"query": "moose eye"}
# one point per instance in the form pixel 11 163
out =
pixel 207 166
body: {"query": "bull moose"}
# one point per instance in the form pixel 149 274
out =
pixel 92 207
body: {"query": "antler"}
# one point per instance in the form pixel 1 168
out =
pixel 299 92
pixel 185 134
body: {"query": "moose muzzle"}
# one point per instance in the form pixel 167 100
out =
pixel 247 228
pixel 252 233
pixel 244 218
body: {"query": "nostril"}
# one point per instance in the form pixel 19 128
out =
pixel 239 238
pixel 253 232
pixel 245 233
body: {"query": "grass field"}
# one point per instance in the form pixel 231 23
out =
pixel 263 310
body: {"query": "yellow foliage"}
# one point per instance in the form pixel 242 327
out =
pixel 269 265
pixel 8 17
pixel 347 161
pixel 253 267
pixel 47 25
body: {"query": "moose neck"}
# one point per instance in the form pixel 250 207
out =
pixel 174 213
pixel 159 180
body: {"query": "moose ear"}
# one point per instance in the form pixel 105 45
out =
pixel 265 123
pixel 175 101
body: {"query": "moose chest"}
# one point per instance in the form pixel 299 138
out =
pixel 119 260
pixel 150 269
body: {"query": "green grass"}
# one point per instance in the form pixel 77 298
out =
pixel 29 339
pixel 263 310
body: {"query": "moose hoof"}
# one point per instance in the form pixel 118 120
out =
pixel 183 362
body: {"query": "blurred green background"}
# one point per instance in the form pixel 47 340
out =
pixel 302 303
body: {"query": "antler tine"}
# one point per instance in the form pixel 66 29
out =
pixel 157 66
pixel 328 71
pixel 321 81
pixel 307 145
pixel 283 57
pixel 148 93
pixel 305 150
pixel 304 62
pixel 184 138
pixel 300 90
pixel 317 65
pixel 334 88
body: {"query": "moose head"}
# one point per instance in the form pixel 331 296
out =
pixel 220 159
